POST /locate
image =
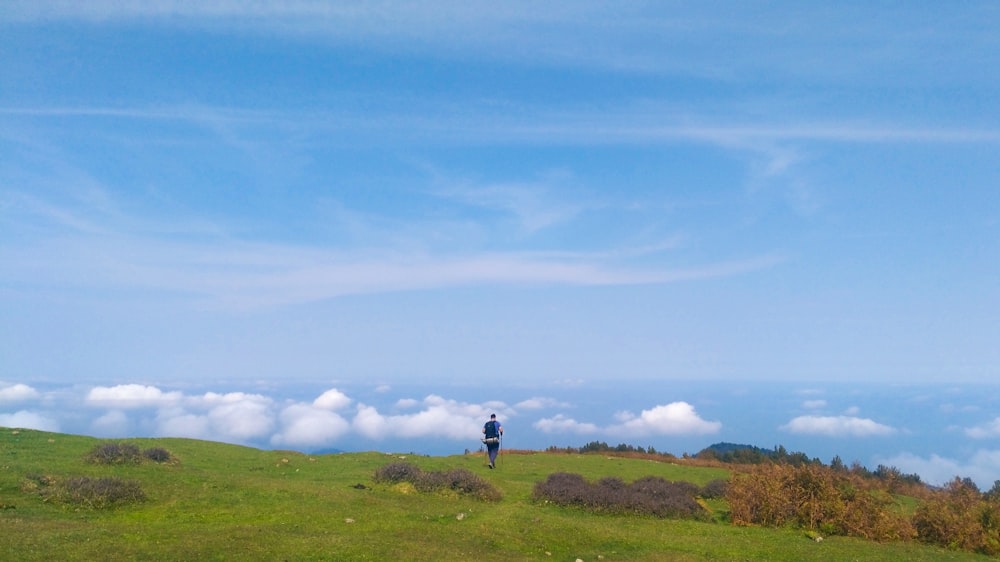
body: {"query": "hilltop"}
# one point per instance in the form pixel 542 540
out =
pixel 203 500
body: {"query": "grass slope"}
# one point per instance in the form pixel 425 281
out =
pixel 225 502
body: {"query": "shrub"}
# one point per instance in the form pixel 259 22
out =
pixel 35 482
pixel 99 493
pixel 396 472
pixel 655 496
pixel 458 480
pixel 84 491
pixel 715 489
pixel 115 453
pixel 959 518
pixel 157 454
pixel 563 488
pixel 815 498
pixel 647 496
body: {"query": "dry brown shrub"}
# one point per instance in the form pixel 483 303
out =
pixel 815 498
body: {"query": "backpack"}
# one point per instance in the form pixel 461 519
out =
pixel 491 429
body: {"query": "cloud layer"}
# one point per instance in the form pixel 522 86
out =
pixel 324 422
pixel 333 419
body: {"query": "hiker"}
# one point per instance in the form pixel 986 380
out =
pixel 492 432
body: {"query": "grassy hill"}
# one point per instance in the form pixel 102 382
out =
pixel 215 501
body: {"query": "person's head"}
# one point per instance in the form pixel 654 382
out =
pixel 493 416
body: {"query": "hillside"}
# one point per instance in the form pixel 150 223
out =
pixel 214 501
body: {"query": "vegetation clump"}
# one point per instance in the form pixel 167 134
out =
pixel 650 495
pixel 458 480
pixel 113 453
pixel 715 489
pixel 816 498
pixel 157 454
pixel 84 491
pixel 959 517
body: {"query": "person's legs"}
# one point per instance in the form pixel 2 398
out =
pixel 493 449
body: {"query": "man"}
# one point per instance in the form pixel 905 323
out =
pixel 492 431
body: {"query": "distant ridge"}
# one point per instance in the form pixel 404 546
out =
pixel 724 448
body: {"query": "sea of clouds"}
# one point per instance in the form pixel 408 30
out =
pixel 936 433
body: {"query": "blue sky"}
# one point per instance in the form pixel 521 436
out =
pixel 205 205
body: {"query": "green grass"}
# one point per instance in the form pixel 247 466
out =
pixel 225 502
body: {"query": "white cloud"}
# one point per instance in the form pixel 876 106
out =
pixel 676 418
pixel 368 422
pixel 18 393
pixel 29 420
pixel 966 408
pixel 213 399
pixel 178 423
pixel 985 431
pixel 130 396
pixel 234 417
pixel 332 399
pixel 246 276
pixel 562 424
pixel 810 391
pixel 814 404
pixel 982 467
pixel 304 425
pixel 837 426
pixel 243 420
pixel 531 203
pixel 624 416
pixel 406 403
pixel 852 411
pixel 439 418
pixel 112 424
pixel 538 403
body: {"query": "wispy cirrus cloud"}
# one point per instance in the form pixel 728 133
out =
pixel 528 202
pixel 624 124
pixel 641 38
pixel 229 272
